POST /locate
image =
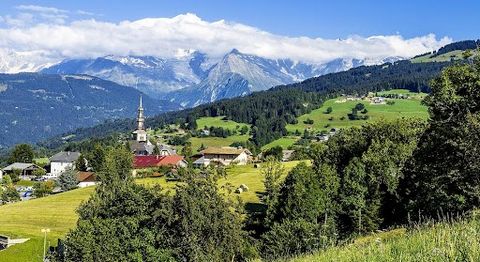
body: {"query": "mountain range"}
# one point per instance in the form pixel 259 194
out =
pixel 193 78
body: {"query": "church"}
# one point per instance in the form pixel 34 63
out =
pixel 140 144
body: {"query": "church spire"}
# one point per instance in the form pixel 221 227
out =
pixel 140 117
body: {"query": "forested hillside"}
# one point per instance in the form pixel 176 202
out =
pixel 270 111
pixel 36 106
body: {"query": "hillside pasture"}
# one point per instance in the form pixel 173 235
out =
pixel 338 118
pixel 219 122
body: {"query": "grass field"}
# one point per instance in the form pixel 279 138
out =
pixel 284 142
pixel 26 219
pixel 218 122
pixel 57 212
pixel 408 108
pixel 457 241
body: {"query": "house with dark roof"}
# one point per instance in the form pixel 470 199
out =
pixel 62 161
pixel 140 162
pixel 26 169
pixel 223 156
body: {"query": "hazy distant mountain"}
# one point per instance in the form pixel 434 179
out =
pixel 193 79
pixel 239 74
pixel 151 75
pixel 37 106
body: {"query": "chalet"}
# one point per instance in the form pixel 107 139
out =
pixel 26 169
pixel 140 162
pixel 86 179
pixel 223 156
pixel 62 161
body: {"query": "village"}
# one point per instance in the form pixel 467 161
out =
pixel 149 160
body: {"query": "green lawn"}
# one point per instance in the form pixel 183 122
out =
pixel 218 122
pixel 457 241
pixel 284 142
pixel 216 141
pixel 403 108
pixel 25 183
pixel 26 219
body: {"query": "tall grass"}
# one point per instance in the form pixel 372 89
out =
pixel 444 241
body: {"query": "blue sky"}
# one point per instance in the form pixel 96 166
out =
pixel 327 19
pixel 35 33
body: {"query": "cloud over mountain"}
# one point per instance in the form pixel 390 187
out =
pixel 68 37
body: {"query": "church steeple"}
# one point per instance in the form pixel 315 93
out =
pixel 140 117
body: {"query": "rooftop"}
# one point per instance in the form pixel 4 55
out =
pixel 65 156
pixel 20 166
pixel 156 161
pixel 86 177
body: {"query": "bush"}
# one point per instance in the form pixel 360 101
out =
pixel 41 189
pixel 308 121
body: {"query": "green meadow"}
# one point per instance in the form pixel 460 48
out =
pixel 219 122
pixel 338 118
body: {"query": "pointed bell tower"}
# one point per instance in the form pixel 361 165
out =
pixel 140 133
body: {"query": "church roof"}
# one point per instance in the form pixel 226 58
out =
pixel 136 146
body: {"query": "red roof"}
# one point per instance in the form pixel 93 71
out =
pixel 156 161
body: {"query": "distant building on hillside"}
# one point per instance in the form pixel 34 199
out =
pixel 166 150
pixel 62 161
pixel 26 169
pixel 223 156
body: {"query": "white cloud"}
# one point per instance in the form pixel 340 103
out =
pixel 164 36
pixel 83 12
pixel 41 9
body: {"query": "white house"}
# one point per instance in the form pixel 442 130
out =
pixel 1 175
pixel 223 156
pixel 62 161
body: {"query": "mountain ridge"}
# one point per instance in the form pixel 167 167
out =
pixel 36 106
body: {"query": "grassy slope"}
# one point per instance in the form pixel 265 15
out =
pixel 440 242
pixel 26 219
pixel 456 55
pixel 57 212
pixel 218 122
pixel 284 142
pixel 407 108
pixel 216 141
